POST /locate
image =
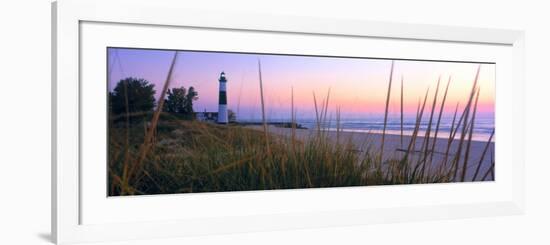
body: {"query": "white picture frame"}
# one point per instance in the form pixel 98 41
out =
pixel 68 18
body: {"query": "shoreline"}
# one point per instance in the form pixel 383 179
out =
pixel 442 133
pixel 394 149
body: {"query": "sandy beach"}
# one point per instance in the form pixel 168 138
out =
pixel 394 149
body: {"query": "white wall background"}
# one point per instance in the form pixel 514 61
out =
pixel 25 121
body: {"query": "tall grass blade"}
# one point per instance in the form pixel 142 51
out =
pixel 451 137
pixel 325 109
pixel 465 123
pixel 293 118
pixel 415 133
pixel 469 142
pixel 240 95
pixel 317 118
pixel 425 147
pixel 483 155
pixel 489 171
pixel 419 114
pixel 439 118
pixel 338 126
pixel 386 115
pixel 401 138
pixel 145 147
pixel 264 121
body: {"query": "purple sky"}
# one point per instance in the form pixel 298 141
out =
pixel 358 86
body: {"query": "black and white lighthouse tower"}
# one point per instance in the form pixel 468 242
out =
pixel 222 105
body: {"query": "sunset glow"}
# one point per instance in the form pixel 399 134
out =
pixel 357 85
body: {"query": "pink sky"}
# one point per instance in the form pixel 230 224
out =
pixel 358 86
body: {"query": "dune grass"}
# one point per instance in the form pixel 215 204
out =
pixel 163 154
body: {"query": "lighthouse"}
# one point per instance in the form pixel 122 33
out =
pixel 222 105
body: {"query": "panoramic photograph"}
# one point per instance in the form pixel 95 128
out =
pixel 182 121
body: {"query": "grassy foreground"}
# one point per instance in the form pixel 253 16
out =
pixel 191 156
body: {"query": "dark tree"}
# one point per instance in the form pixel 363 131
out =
pixel 132 95
pixel 175 100
pixel 180 101
pixel 192 95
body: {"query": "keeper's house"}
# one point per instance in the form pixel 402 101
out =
pixel 207 116
pixel 212 116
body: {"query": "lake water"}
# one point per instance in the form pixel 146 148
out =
pixel 483 127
